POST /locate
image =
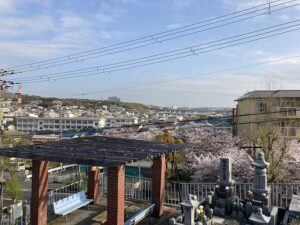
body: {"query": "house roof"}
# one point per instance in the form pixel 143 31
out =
pixel 96 151
pixel 271 93
pixel 6 94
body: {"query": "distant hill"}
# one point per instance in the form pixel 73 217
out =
pixel 87 103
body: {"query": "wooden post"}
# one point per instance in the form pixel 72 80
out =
pixel 39 193
pixel 158 185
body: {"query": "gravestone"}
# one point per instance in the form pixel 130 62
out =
pixel 260 184
pixel 262 212
pixel 222 201
pixel 225 172
pixel 294 208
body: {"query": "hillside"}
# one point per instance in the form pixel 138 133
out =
pixel 87 103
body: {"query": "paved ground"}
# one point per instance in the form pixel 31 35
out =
pixel 85 217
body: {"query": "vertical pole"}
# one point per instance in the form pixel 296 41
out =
pixel 94 183
pixel 115 195
pixel 39 193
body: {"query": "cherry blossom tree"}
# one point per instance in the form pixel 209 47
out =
pixel 206 148
pixel 131 133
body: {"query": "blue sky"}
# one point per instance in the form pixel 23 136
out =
pixel 33 30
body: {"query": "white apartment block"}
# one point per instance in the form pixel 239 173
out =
pixel 117 121
pixel 31 124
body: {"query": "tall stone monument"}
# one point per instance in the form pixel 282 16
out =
pixel 260 188
pixel 222 201
pixel 262 212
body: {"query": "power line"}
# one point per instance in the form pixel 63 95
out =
pixel 186 77
pixel 152 38
pixel 171 55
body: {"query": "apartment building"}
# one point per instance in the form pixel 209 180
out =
pixel 31 124
pixel 5 106
pixel 276 109
pixel 119 121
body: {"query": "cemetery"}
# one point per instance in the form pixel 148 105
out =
pixel 223 205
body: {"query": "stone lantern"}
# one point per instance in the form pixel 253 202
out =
pixel 190 207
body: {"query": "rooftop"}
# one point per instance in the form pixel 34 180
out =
pixel 271 93
pixel 96 151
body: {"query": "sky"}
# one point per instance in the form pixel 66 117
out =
pixel 34 30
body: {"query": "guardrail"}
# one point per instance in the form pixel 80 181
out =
pixel 56 169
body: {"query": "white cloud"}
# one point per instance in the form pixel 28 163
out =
pixel 16 26
pixel 13 6
pixel 43 34
pixel 7 6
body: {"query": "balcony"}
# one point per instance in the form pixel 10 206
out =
pixel 288 112
pixel 292 132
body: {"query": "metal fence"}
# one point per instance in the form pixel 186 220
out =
pixel 62 192
pixel 16 214
pixel 141 189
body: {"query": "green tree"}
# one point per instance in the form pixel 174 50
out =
pixel 276 149
pixel 172 158
pixel 13 187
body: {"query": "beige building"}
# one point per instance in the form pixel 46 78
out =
pixel 277 110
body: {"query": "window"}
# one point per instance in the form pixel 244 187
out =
pixel 275 103
pixel 288 111
pixel 289 131
pixel 262 107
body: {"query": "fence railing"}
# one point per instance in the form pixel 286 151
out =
pixel 16 214
pixel 54 170
pixel 62 192
pixel 141 189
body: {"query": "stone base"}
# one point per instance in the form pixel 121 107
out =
pixel 274 216
pixel 219 211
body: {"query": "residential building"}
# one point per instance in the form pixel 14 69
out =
pixel 275 109
pixel 5 106
pixel 114 121
pixel 31 124
pixel 114 99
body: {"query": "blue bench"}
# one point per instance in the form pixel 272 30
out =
pixel 138 217
pixel 70 204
